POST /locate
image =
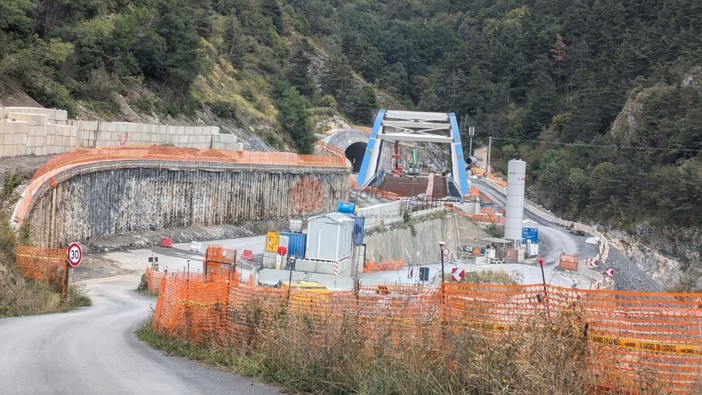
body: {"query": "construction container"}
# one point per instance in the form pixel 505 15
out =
pixel 346 208
pixel 329 237
pixel 296 243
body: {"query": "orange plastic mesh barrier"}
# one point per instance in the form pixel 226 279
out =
pixel 387 264
pixel 487 217
pixel 386 194
pixel 42 264
pixel 636 340
pixel 153 280
pixel 86 155
pixel 218 261
pixel 497 180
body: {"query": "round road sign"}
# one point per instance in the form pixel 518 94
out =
pixel 75 254
pixel 282 250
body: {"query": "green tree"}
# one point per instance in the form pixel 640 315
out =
pixel 272 10
pixel 183 58
pixel 364 105
pixel 338 81
pixel 293 117
pixel 298 70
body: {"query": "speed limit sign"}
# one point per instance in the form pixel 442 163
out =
pixel 75 254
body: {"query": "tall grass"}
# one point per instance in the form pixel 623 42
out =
pixel 341 356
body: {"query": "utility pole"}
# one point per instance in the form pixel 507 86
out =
pixel 471 133
pixel 487 170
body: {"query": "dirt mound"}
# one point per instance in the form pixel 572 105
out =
pixel 12 95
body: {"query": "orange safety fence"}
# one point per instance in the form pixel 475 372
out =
pixel 88 155
pixel 497 180
pixel 379 192
pixel 330 149
pixel 387 264
pixel 629 334
pixel 42 264
pixel 489 216
pixel 152 280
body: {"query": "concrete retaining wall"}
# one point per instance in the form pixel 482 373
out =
pixel 419 243
pixel 103 199
pixel 43 131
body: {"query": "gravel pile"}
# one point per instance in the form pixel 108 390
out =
pixel 628 276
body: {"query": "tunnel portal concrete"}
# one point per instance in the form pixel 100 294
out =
pixel 353 142
pixel 354 153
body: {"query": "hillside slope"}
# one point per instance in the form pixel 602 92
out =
pixel 546 80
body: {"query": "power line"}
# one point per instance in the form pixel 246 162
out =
pixel 598 145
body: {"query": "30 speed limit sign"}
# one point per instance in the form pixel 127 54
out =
pixel 75 254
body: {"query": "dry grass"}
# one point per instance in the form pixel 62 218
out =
pixel 17 296
pixel 324 356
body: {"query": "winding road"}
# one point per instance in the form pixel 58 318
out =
pixel 628 276
pixel 94 350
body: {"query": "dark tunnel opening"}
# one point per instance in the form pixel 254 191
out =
pixel 354 153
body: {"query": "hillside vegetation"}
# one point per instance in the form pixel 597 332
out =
pixel 546 79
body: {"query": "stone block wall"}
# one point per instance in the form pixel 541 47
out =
pixel 42 131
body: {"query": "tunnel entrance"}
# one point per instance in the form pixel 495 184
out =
pixel 354 153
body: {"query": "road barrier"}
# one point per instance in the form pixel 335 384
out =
pixel 43 265
pixel 633 338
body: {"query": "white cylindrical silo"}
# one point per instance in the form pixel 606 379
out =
pixel 514 210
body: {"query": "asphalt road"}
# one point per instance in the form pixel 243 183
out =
pixel 93 350
pixel 555 238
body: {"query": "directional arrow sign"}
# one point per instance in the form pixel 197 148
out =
pixel 75 254
pixel 457 274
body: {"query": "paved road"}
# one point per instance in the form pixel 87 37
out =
pixel 628 276
pixel 93 350
pixel 553 239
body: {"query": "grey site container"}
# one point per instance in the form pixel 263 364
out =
pixel 329 237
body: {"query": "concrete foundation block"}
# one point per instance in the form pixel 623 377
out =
pixel 33 131
pixel 305 266
pixel 36 141
pixel 89 125
pixel 31 119
pixel 61 115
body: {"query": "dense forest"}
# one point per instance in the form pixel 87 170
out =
pixel 546 79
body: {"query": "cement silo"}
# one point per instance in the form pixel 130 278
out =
pixel 514 210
